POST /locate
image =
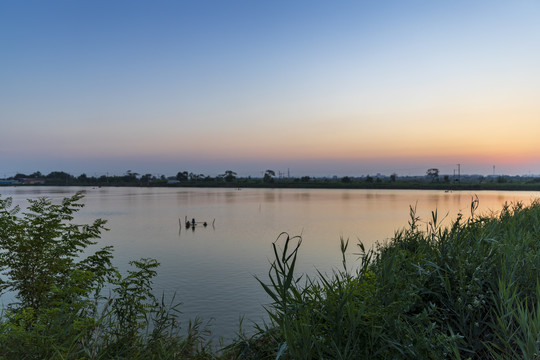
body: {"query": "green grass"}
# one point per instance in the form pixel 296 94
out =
pixel 469 289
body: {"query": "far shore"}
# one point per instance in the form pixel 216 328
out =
pixel 315 184
pixel 433 180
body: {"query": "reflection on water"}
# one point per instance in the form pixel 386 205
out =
pixel 212 269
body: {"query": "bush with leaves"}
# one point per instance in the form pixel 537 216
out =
pixel 60 311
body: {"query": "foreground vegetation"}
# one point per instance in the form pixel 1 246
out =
pixel 466 291
pixel 469 291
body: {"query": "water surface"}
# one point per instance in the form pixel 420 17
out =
pixel 212 269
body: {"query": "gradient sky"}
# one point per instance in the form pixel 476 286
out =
pixel 317 87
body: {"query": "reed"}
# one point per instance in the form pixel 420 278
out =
pixel 466 291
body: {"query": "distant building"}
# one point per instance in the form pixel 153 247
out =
pixel 9 182
pixel 23 181
pixel 33 181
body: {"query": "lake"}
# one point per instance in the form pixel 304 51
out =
pixel 211 269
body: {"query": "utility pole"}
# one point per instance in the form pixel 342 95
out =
pixel 459 172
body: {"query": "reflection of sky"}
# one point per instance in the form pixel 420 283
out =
pixel 206 86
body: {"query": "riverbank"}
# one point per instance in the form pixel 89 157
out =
pixel 231 180
pixel 468 291
pixel 515 185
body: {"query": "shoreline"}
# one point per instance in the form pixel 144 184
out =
pixel 313 185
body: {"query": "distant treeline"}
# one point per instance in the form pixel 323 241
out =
pixel 229 178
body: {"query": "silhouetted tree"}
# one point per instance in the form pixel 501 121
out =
pixel 182 176
pixel 195 177
pixel 130 177
pixel 433 173
pixel 269 176
pixel 60 175
pixel 20 176
pixel 229 175
pixel 146 179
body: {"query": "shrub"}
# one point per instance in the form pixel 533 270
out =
pixel 60 311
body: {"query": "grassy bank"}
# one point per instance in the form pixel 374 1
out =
pixel 466 290
pixel 469 290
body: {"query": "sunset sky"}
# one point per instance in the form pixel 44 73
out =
pixel 317 87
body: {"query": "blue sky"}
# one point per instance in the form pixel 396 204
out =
pixel 317 87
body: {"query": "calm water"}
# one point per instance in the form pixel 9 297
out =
pixel 212 269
